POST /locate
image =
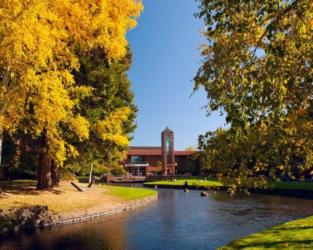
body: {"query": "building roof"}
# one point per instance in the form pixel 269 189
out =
pixel 143 148
pixel 185 152
pixel 144 151
pixel 155 151
pixel 167 130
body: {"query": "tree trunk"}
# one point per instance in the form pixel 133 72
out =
pixel 6 84
pixel 44 172
pixel 90 174
pixel 55 174
pixel 1 166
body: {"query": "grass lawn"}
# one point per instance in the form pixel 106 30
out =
pixel 191 182
pixel 127 193
pixel 292 185
pixel 65 198
pixel 296 234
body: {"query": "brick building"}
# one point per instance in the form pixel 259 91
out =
pixel 143 161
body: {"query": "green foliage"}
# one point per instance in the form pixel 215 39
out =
pixel 19 156
pixel 111 103
pixel 99 168
pixel 159 171
pixel 190 165
pixel 67 175
pixel 9 152
pixel 118 171
pixel 257 68
pixel 252 156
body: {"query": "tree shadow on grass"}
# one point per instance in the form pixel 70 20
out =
pixel 22 188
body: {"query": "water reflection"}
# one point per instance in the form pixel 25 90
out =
pixel 107 233
pixel 177 220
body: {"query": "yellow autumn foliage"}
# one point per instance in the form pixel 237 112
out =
pixel 38 41
pixel 111 128
pixel 80 126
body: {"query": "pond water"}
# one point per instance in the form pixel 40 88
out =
pixel 177 220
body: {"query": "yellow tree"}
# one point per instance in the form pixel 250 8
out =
pixel 38 41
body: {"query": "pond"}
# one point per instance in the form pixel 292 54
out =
pixel 177 220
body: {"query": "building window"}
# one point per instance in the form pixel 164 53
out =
pixel 136 159
pixel 169 148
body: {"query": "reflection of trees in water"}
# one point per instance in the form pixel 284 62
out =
pixel 261 206
pixel 104 234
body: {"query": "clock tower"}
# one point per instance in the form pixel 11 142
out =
pixel 168 157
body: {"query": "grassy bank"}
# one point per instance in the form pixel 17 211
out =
pixel 292 185
pixel 127 193
pixel 65 198
pixel 296 234
pixel 181 182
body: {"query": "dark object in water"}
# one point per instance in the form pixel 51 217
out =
pixel 186 190
pixel 202 194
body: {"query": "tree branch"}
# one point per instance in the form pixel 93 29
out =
pixel 274 22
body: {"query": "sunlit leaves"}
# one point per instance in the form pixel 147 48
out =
pixel 257 68
pixel 80 126
pixel 111 128
pixel 38 45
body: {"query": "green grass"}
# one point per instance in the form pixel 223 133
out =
pixel 296 234
pixel 128 193
pixel 292 185
pixel 191 182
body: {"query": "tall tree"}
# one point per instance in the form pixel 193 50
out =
pixel 37 50
pixel 257 68
pixel 110 110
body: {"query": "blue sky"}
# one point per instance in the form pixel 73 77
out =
pixel 165 60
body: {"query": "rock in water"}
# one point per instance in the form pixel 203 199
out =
pixel 186 190
pixel 202 194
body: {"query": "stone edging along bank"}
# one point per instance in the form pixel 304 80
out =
pixel 131 205
pixel 31 217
